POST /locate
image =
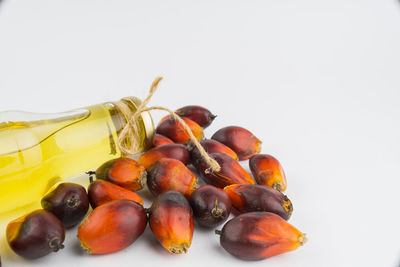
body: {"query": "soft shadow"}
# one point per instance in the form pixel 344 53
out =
pixel 77 248
pixel 201 229
pixel 153 243
pixel 146 195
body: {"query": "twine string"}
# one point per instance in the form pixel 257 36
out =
pixel 129 137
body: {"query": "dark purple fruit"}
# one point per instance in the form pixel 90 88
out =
pixel 198 114
pixel 211 205
pixel 247 198
pixel 69 202
pixel 35 234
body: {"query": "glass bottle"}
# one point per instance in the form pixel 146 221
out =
pixel 39 150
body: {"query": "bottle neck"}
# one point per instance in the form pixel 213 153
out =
pixel 125 109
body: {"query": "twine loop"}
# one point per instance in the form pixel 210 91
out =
pixel 129 137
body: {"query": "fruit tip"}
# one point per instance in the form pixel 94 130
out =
pixel 278 186
pixel 287 205
pixel 55 244
pixel 178 249
pixel 258 146
pixel 84 247
pixel 302 239
pixel 143 179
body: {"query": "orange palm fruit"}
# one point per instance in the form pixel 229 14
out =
pixel 268 171
pixel 101 192
pixel 210 146
pixel 171 221
pixel 112 226
pixel 259 235
pixel 159 140
pixel 198 114
pixel 246 198
pixel 175 151
pixel 124 172
pixel 174 130
pixel 231 172
pixel 170 174
pixel 240 140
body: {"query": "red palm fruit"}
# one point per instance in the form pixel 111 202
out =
pixel 112 226
pixel 159 140
pixel 210 146
pixel 101 192
pixel 35 234
pixel 174 151
pixel 170 174
pixel 231 172
pixel 174 130
pixel 211 205
pixel 268 171
pixel 198 114
pixel 240 140
pixel 69 202
pixel 164 118
pixel 259 235
pixel 171 221
pixel 124 172
pixel 246 198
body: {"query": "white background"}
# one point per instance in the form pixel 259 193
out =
pixel 318 81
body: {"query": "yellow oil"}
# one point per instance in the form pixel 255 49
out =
pixel 37 154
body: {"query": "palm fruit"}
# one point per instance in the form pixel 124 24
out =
pixel 198 114
pixel 171 221
pixel 35 234
pixel 175 151
pixel 246 198
pixel 268 171
pixel 101 192
pixel 69 202
pixel 170 174
pixel 259 235
pixel 112 226
pixel 210 146
pixel 173 129
pixel 211 205
pixel 240 140
pixel 231 172
pixel 159 140
pixel 124 172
